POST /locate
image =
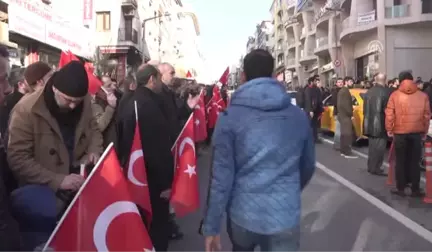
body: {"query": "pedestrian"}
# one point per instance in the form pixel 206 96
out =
pixel 9 231
pixel 334 95
pixel 263 157
pixel 300 99
pixel 374 105
pixel 104 105
pixel 51 132
pixel 407 121
pixel 178 111
pixel 37 75
pixel 156 142
pixel 313 105
pixel 345 115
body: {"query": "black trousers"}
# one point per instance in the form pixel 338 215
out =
pixel 160 228
pixel 315 124
pixel 377 149
pixel 408 150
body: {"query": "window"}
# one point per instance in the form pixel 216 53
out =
pixel 103 21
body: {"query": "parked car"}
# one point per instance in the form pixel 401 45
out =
pixel 328 122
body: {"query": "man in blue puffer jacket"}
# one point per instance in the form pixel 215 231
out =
pixel 263 157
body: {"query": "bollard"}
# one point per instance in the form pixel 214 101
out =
pixel 392 164
pixel 428 166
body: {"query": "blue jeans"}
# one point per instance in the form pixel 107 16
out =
pixel 34 207
pixel 245 240
pixel 337 134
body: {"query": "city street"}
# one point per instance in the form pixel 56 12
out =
pixel 344 209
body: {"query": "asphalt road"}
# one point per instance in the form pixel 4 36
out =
pixel 344 209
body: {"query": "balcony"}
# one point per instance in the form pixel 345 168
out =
pixel 290 4
pixel 322 41
pixel 290 63
pixel 128 35
pixel 291 43
pixel 357 24
pixel 306 56
pixel 397 11
pixel 290 21
pixel 321 46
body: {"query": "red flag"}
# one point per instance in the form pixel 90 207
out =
pixel 215 106
pixel 103 215
pixel 137 175
pixel 66 57
pixel 94 83
pixel 188 75
pixel 200 119
pixel 224 78
pixel 184 194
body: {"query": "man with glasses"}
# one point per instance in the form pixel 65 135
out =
pixel 52 131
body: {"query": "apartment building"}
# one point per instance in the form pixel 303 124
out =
pixel 279 37
pixel 262 34
pixel 361 37
pixel 251 44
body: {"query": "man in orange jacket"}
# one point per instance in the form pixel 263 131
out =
pixel 407 121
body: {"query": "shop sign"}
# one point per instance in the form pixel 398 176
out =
pixel 365 18
pixel 39 22
pixel 87 11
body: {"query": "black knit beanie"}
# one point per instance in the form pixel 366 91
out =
pixel 72 80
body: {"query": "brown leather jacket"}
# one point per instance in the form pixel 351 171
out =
pixel 407 110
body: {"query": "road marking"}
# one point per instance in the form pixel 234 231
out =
pixel 363 235
pixel 399 217
pixel 361 154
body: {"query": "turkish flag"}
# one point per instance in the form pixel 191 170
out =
pixel 66 57
pixel 103 216
pixel 94 83
pixel 188 75
pixel 215 106
pixel 224 77
pixel 199 115
pixel 184 194
pixel 137 176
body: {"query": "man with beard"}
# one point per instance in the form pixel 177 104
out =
pixel 313 105
pixel 51 133
pixel 156 142
pixel 9 233
pixel 345 115
pixel 334 95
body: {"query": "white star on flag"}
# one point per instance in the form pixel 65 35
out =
pixel 148 250
pixel 197 122
pixel 190 170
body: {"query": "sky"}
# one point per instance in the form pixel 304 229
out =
pixel 225 26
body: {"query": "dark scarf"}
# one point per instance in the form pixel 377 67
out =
pixel 67 121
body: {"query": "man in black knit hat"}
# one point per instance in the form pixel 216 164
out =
pixel 51 132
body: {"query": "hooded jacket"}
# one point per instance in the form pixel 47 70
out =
pixel 407 110
pixel 263 157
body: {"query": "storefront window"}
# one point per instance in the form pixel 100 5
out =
pixel 52 59
pixel 367 66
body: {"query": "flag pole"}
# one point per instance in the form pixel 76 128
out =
pixel 184 127
pixel 136 111
pixel 98 164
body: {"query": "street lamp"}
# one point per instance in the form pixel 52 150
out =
pixel 166 14
pixel 336 10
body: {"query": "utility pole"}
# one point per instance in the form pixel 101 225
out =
pixel 166 14
pixel 336 39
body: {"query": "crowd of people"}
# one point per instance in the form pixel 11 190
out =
pixel 51 124
pixel 396 110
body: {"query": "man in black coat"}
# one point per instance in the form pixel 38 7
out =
pixel 374 106
pixel 334 94
pixel 157 140
pixel 313 105
pixel 9 232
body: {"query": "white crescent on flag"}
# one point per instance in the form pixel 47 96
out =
pixel 105 218
pixel 130 173
pixel 186 140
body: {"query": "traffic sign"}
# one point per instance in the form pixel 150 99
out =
pixel 337 63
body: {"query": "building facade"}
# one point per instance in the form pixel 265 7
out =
pixel 251 44
pixel 36 30
pixel 263 34
pixel 279 37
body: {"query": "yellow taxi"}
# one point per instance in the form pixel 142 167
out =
pixel 328 122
